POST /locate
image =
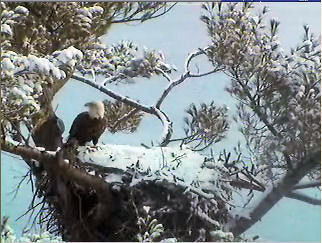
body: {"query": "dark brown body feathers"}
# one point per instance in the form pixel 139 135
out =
pixel 85 129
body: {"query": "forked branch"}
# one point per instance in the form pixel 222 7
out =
pixel 167 124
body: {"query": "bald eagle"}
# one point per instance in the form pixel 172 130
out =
pixel 49 133
pixel 89 125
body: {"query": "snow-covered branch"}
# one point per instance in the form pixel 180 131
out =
pixel 24 151
pixel 113 94
pixel 275 193
pixel 50 159
pixel 167 124
pixel 193 55
pixel 187 74
pixel 170 87
pixel 164 74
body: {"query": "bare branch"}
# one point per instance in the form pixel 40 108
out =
pixel 193 55
pixel 170 87
pixel 307 185
pixel 184 76
pixel 203 74
pixel 167 124
pixel 164 74
pixel 114 95
pixel 305 198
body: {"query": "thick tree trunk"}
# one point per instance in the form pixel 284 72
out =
pixel 276 193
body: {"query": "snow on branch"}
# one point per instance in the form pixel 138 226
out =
pixel 53 159
pixel 167 124
pixel 184 76
pixel 193 55
pixel 114 95
pixel 170 87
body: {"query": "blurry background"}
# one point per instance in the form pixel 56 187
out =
pixel 177 34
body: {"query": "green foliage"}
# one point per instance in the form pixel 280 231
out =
pixel 149 229
pixel 45 43
pixel 278 93
pixel 205 125
pixel 121 117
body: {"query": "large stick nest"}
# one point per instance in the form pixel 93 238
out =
pixel 81 213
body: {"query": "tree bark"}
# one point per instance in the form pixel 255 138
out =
pixel 276 193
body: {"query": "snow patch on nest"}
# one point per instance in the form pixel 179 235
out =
pixel 167 162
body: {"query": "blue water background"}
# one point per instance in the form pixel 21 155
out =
pixel 177 34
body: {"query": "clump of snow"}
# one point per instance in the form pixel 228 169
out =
pixel 6 29
pixel 41 149
pixel 219 235
pixel 7 65
pixel 21 10
pixel 169 240
pixel 68 54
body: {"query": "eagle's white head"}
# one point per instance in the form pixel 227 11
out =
pixel 95 109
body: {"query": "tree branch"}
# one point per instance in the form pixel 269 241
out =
pixel 167 124
pixel 164 74
pixel 114 95
pixel 187 74
pixel 263 118
pixel 304 198
pixel 132 19
pixel 307 185
pixel 170 87
pixel 191 75
pixel 193 55
pixel 277 192
pixel 48 159
pixel 240 183
pixel 24 151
